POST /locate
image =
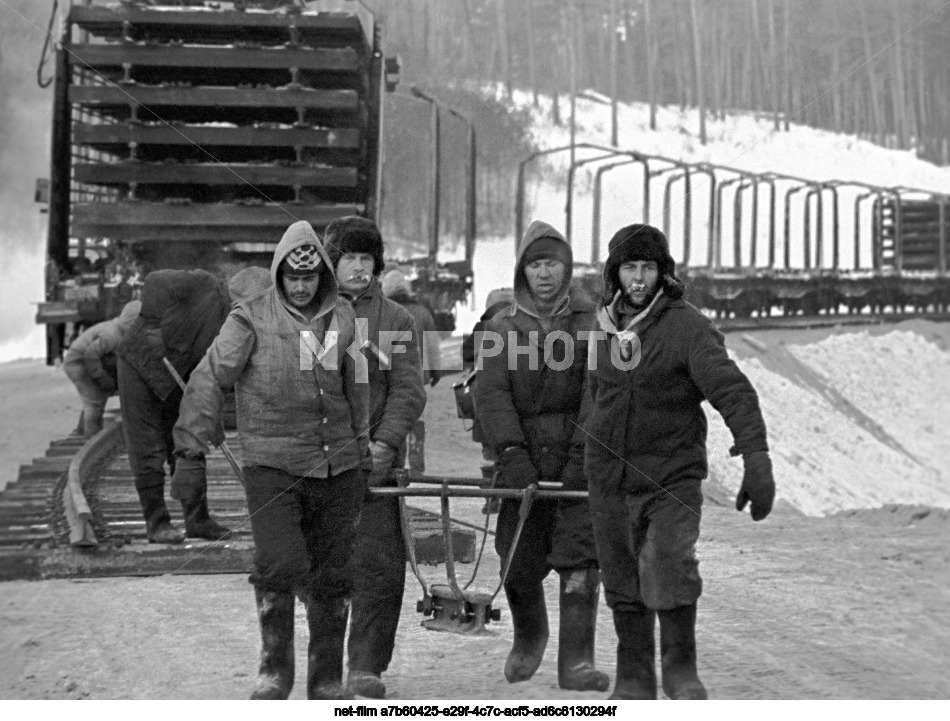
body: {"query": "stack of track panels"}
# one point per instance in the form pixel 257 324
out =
pixel 217 126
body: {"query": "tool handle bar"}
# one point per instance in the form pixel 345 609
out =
pixel 464 492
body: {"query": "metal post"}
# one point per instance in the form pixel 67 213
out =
pixel 471 226
pixel 436 152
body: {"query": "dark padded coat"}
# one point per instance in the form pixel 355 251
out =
pixel 397 394
pixel 647 425
pixel 540 409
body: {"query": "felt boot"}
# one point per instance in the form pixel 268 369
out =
pixel 678 654
pixel 530 618
pixel 636 654
pixel 327 619
pixel 575 653
pixel 158 524
pixel 275 611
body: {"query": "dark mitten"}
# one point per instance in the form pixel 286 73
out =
pixel 758 486
pixel 516 469
pixel 572 477
pixel 383 456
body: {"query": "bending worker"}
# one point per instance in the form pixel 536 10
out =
pixel 529 408
pixel 302 415
pixel 657 360
pixel 182 311
pixel 397 398
pixel 91 364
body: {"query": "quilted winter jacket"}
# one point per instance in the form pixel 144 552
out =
pixel 543 409
pixel 646 425
pixel 182 311
pixel 96 347
pixel 397 394
pixel 295 412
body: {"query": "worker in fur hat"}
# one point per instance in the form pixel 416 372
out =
pixel 397 399
pixel 657 360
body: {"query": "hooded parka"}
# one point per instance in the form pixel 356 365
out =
pixel 535 399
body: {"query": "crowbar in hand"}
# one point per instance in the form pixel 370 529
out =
pixel 223 446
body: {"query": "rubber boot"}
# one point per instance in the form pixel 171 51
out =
pixel 327 618
pixel 530 619
pixel 198 522
pixel 636 654
pixel 275 679
pixel 575 653
pixel 158 524
pixel 678 654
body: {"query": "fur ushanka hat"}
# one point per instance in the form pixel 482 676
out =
pixel 354 234
pixel 640 242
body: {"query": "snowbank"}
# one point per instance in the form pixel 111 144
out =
pixel 872 437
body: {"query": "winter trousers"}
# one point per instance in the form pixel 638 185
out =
pixel 556 535
pixel 304 530
pixel 147 422
pixel 646 543
pixel 379 563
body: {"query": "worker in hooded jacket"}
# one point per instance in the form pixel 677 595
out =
pixel 292 353
pixel 529 403
pixel 657 358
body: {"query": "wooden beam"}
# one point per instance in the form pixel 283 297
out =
pixel 115 55
pixel 208 174
pixel 178 134
pixel 103 95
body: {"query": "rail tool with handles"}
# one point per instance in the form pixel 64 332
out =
pixel 455 608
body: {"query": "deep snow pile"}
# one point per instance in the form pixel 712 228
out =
pixel 825 458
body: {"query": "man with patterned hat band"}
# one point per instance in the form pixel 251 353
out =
pixel 529 402
pixel 657 360
pixel 303 417
pixel 397 399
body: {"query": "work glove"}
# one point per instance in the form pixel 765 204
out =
pixel 515 469
pixel 189 479
pixel 383 456
pixel 366 457
pixel 572 477
pixel 758 486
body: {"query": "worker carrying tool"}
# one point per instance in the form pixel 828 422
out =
pixel 397 399
pixel 303 417
pixel 528 402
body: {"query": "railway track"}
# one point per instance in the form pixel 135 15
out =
pixel 75 513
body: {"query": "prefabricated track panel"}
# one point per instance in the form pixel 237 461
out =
pixel 211 222
pixel 208 174
pixel 101 57
pixel 196 25
pixel 121 134
pixel 103 96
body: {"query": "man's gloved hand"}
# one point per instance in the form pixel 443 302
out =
pixel 189 479
pixel 515 469
pixel 384 456
pixel 572 477
pixel 435 376
pixel 758 486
